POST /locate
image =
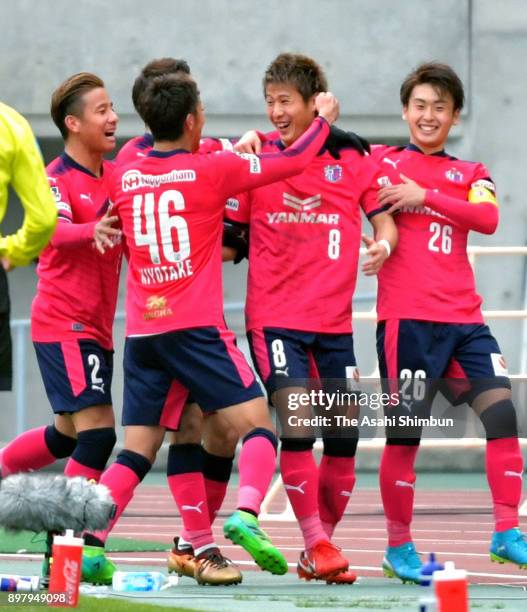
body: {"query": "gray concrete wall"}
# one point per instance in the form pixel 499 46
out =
pixel 366 47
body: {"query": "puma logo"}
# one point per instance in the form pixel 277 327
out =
pixel 297 488
pixel 195 508
pixel 403 483
pixel 511 473
pixel 386 160
pixel 345 493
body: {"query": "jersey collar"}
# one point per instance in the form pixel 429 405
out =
pixel 411 147
pixel 153 153
pixel 282 146
pixel 69 162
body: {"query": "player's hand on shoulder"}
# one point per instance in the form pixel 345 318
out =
pixel 377 254
pixel 104 232
pixel 407 193
pixel 327 106
pixel 249 143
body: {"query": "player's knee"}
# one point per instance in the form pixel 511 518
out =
pixel 59 445
pixel 184 458
pixel 297 444
pixel 139 464
pixel 499 420
pixel 222 441
pixel 94 447
pixel 341 447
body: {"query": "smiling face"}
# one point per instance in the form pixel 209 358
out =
pixel 96 123
pixel 288 111
pixel 430 114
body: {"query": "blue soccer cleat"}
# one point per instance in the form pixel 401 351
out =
pixel 509 547
pixel 402 562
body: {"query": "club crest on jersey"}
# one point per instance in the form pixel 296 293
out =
pixel 333 173
pixel 454 175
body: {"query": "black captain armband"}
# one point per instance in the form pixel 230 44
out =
pixel 236 236
pixel 339 139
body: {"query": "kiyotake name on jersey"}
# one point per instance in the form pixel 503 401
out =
pixel 133 179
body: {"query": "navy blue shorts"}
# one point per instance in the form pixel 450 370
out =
pixel 77 374
pixel 461 360
pixel 160 371
pixel 287 357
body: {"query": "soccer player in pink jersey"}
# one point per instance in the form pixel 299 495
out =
pixel 171 207
pixel 430 322
pixel 73 310
pixel 305 234
pixel 210 464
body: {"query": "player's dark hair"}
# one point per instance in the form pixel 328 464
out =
pixel 166 102
pixel 157 67
pixel 440 76
pixel 300 71
pixel 67 99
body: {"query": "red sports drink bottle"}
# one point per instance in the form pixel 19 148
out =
pixel 66 568
pixel 451 589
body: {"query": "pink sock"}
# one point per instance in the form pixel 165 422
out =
pixel 256 466
pixel 397 479
pixel 504 465
pixel 300 478
pixel 74 468
pixel 336 479
pixel 188 491
pixel 121 481
pixel 26 452
pixel 216 491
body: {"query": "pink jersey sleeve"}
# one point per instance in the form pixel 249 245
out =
pixel 238 209
pixel 67 233
pixel 234 173
pixel 371 179
pixel 479 212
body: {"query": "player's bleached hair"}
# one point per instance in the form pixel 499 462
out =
pixel 67 99
pixel 166 101
pixel 297 70
pixel 440 76
pixel 155 68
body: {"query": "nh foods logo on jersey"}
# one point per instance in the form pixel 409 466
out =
pixel 134 179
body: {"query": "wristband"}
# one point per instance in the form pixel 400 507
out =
pixel 386 245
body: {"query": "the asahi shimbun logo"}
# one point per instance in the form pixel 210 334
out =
pixel 134 179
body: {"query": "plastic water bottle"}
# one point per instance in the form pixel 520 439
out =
pixel 431 566
pixel 451 589
pixel 142 581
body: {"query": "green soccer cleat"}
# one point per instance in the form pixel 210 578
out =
pixel 242 528
pixel 96 567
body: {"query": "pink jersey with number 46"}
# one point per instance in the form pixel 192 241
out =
pixel 171 206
